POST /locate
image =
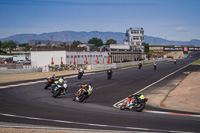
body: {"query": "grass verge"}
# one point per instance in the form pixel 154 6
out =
pixel 196 62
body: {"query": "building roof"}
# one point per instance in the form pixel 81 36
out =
pixel 67 49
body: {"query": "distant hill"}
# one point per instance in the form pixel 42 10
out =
pixel 70 36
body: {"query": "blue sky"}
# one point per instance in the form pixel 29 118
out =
pixel 171 19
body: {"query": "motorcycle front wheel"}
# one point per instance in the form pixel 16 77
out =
pixel 46 86
pixel 79 76
pixel 56 93
pixel 74 98
pixel 140 107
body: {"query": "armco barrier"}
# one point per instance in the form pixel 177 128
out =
pixel 124 64
pixel 12 71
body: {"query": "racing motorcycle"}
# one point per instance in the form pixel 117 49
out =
pixel 174 62
pixel 137 103
pixel 80 95
pixel 109 74
pixel 139 65
pixel 154 65
pixel 59 89
pixel 80 74
pixel 50 82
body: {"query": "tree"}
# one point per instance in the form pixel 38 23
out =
pixel 97 42
pixel 146 50
pixel 111 41
pixel 146 47
pixel 0 44
pixel 26 46
pixel 10 45
pixel 75 43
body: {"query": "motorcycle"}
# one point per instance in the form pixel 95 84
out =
pixel 174 62
pixel 50 82
pixel 80 95
pixel 139 65
pixel 80 74
pixel 137 104
pixel 59 89
pixel 109 74
pixel 154 65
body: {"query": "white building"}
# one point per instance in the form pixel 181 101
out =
pixel 135 37
pixel 44 58
pixel 41 57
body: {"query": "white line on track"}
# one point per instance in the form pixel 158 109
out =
pixel 88 124
pixel 39 81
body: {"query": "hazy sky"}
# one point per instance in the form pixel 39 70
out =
pixel 170 19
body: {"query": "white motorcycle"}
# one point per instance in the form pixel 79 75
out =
pixel 59 89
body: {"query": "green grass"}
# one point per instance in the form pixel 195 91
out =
pixel 197 62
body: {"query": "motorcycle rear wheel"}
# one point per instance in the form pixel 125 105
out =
pixel 82 98
pixel 123 107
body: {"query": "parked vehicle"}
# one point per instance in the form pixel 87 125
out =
pixel 8 60
pixel 27 61
pixel 19 57
pixel 20 62
pixel 3 52
pixel 137 103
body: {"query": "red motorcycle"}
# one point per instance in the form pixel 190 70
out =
pixel 50 81
pixel 81 95
pixel 137 103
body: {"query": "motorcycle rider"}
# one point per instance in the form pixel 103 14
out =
pixel 81 70
pixel 154 65
pixel 139 65
pixel 109 71
pixel 175 61
pixel 89 89
pixel 132 98
pixel 61 83
pixel 128 100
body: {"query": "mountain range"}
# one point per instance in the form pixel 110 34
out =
pixel 70 36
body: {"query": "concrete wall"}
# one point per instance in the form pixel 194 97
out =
pixel 118 65
pixel 43 58
pixel 80 57
pixel 11 71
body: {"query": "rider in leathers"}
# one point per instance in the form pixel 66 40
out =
pixel 132 97
pixel 81 70
pixel 89 89
pixel 61 83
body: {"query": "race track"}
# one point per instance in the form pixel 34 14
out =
pixel 31 104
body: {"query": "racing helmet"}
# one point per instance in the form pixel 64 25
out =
pixel 89 84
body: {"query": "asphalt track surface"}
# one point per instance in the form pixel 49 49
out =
pixel 31 104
